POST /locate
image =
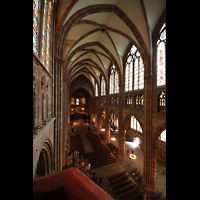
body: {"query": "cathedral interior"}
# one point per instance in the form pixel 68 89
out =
pixel 99 99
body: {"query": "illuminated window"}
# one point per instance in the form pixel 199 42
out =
pixel 161 57
pixel 114 81
pixel 138 72
pixel 162 99
pixel 163 136
pixel 83 100
pixel 77 101
pixel 96 90
pixel 142 100
pixel 46 29
pixel 136 99
pixel 135 124
pixel 72 101
pixel 36 24
pixel 103 92
pixel 43 21
pixel 134 63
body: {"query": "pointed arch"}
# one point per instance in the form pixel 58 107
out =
pixel 137 121
pixel 157 134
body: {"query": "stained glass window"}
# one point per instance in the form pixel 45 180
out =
pixel 139 100
pixel 130 101
pixel 77 101
pixel 114 81
pixel 72 101
pixel 162 99
pixel 136 99
pixel 138 72
pixel 135 124
pixel 36 24
pixel 161 57
pixel 103 92
pixel 134 59
pixel 142 100
pixel 46 30
pixel 96 90
pixel 163 136
pixel 129 74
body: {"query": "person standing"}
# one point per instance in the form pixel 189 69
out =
pixel 100 179
pixel 95 178
pixel 127 152
pixel 86 169
pixel 93 175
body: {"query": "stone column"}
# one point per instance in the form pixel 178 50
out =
pixel 66 117
pixel 99 121
pixel 107 118
pixel 149 168
pixel 121 133
pixel 58 105
pixel 107 129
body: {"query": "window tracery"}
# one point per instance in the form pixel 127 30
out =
pixel 134 68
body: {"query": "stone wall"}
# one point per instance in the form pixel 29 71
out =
pixel 43 114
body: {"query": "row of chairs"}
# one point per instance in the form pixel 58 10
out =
pixel 122 183
pixel 119 179
pixel 112 148
pixel 116 175
pixel 136 173
pixel 156 195
pixel 131 193
pixel 137 196
pixel 139 179
pixel 125 188
pixel 101 155
pixel 133 170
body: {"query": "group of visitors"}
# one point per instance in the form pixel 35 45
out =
pixel 88 172
pixel 93 177
pixel 76 159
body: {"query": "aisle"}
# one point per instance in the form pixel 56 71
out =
pixel 86 143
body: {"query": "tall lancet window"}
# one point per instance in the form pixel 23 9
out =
pixel 134 68
pixel 161 57
pixel 46 33
pixel 114 81
pixel 96 90
pixel 36 24
pixel 103 92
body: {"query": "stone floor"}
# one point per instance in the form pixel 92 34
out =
pixel 119 166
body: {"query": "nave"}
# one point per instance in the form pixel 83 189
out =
pixel 109 169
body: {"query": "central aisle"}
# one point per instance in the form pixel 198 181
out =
pixel 86 143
